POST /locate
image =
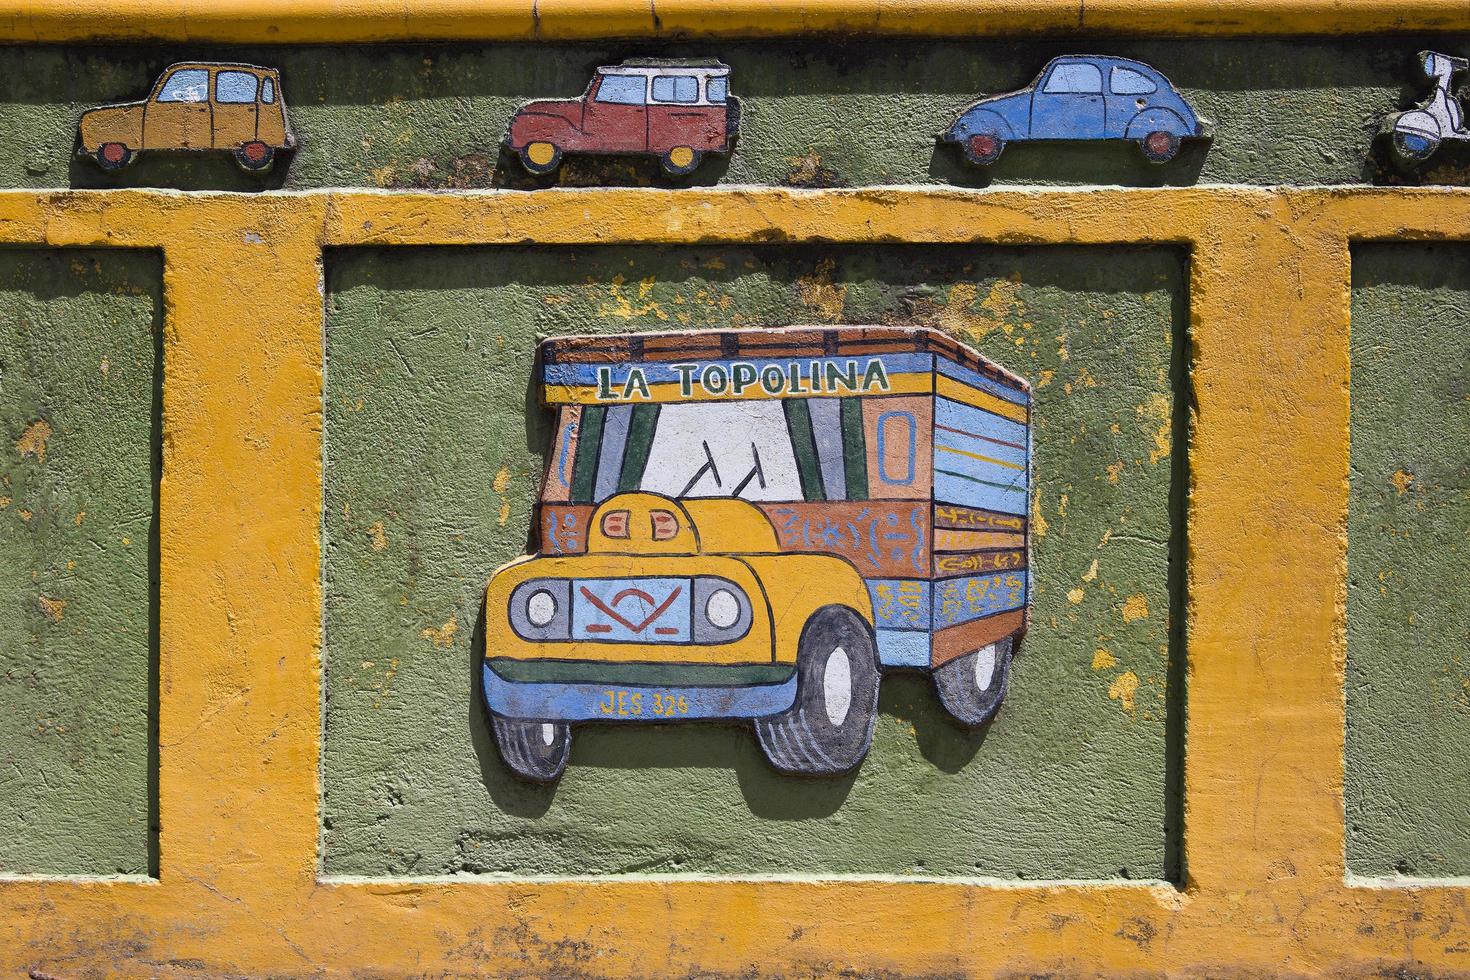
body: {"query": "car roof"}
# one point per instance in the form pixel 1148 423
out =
pixel 653 66
pixel 1106 59
pixel 221 64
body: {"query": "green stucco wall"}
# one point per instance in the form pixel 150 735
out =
pixel 1408 684
pixel 828 114
pixel 79 341
pixel 435 444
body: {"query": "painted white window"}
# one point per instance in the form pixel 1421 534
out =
pixel 234 87
pixel 718 89
pixel 1074 78
pixel 268 91
pixel 683 89
pixel 723 449
pixel 186 85
pixel 1126 81
pixel 623 89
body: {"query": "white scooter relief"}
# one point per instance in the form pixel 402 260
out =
pixel 1417 133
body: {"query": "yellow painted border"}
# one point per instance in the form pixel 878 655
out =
pixel 240 705
pixel 348 21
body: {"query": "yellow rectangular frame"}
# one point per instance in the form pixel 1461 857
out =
pixel 240 706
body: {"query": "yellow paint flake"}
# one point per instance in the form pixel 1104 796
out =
pixel 1103 660
pixel 1123 689
pixel 81 514
pixel 4 502
pixel 1091 572
pixel 1107 536
pixel 1062 505
pixel 127 541
pixel 1135 607
pixel 1158 409
pixel 106 367
pixel 821 294
pixel 443 636
pixel 25 515
pixel 32 441
pixel 1044 378
pixel 1114 470
pixel 500 485
pixel 1038 520
pixel 1075 596
pixel 625 308
pixel 1402 481
pixel 52 607
pixel 379 535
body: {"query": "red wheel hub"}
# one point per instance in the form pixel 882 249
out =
pixel 255 152
pixel 983 145
pixel 114 152
pixel 1159 143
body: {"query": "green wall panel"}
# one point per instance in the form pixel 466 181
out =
pixel 1408 689
pixel 434 450
pixel 816 113
pixel 79 341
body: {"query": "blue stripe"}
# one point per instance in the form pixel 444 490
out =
pixel 960 600
pixel 967 493
pixel 610 456
pixel 580 702
pixel 900 604
pixel 974 444
pixel 976 380
pixel 903 649
pixel 978 422
pixel 656 372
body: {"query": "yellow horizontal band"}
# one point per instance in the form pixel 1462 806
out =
pixel 983 459
pixel 954 390
pixel 360 21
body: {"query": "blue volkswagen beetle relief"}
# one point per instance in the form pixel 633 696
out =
pixel 1082 97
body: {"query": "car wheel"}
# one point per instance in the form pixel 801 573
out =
pixel 1413 147
pixel 540 157
pixel 1159 146
pixel 983 149
pixel 829 728
pixel 681 160
pixel 113 156
pixel 972 687
pixel 255 157
pixel 535 750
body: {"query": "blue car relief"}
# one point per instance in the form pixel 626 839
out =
pixel 1082 97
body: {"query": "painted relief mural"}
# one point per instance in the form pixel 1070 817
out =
pixel 675 111
pixel 1416 134
pixel 753 525
pixel 196 105
pixel 1082 97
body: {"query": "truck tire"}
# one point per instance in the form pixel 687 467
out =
pixel 113 156
pixel 1159 146
pixel 255 157
pixel 681 160
pixel 534 750
pixel 540 157
pixel 983 149
pixel 829 728
pixel 972 687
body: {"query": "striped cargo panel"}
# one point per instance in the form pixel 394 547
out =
pixel 980 457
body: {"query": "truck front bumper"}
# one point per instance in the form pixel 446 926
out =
pixel 586 700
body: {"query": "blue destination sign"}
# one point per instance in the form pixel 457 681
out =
pixel 738 379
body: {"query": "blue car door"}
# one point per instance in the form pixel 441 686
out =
pixel 1130 92
pixel 1068 103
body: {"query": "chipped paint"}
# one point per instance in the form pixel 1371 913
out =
pixel 1135 607
pixel 1123 689
pixel 32 441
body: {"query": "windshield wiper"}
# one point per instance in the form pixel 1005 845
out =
pixel 708 467
pixel 756 473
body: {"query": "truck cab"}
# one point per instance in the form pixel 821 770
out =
pixel 677 111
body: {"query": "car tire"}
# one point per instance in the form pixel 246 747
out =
pixel 1159 146
pixel 972 687
pixel 113 156
pixel 255 157
pixel 983 149
pixel 828 729
pixel 534 750
pixel 540 157
pixel 681 160
pixel 1413 148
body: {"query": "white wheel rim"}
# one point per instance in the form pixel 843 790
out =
pixel 548 734
pixel 984 667
pixel 837 686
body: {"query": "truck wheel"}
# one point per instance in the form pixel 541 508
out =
pixel 828 730
pixel 1159 146
pixel 541 157
pixel 255 157
pixel 983 149
pixel 535 750
pixel 113 156
pixel 681 160
pixel 972 687
pixel 1412 147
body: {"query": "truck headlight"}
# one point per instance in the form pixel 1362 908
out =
pixel 721 610
pixel 541 609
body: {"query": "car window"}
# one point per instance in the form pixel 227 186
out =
pixel 186 85
pixel 1126 81
pixel 1075 77
pixel 683 89
pixel 234 87
pixel 718 89
pixel 268 91
pixel 622 89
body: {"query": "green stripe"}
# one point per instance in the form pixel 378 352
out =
pixel 854 449
pixel 799 424
pixel 640 441
pixel 988 483
pixel 644 674
pixel 589 444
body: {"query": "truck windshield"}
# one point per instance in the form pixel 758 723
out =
pixel 723 449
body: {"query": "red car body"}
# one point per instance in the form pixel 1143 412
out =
pixel 675 111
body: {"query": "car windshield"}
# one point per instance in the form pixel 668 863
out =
pixel 723 449
pixel 1126 81
pixel 1074 77
pixel 622 89
pixel 186 85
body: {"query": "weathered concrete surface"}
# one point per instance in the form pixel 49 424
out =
pixel 434 453
pixel 79 335
pixel 1408 682
pixel 829 114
